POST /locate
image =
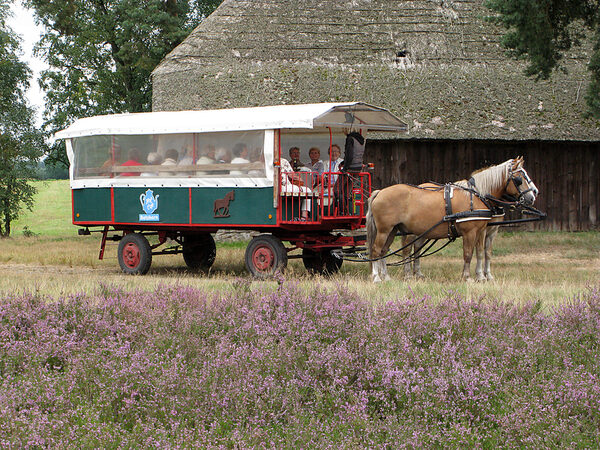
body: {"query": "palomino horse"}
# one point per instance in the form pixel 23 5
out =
pixel 426 213
pixel 483 270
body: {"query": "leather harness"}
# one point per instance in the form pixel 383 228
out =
pixel 463 216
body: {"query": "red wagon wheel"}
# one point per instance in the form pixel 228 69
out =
pixel 265 255
pixel 134 254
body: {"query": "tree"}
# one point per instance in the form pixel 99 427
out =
pixel 542 31
pixel 20 143
pixel 101 54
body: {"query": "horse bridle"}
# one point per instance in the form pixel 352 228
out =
pixel 518 182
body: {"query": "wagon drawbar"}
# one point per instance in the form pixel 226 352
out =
pixel 164 182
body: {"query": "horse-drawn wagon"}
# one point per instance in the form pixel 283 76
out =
pixel 181 176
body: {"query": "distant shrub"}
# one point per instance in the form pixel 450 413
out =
pixel 28 233
pixel 294 369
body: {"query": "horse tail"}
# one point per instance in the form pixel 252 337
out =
pixel 371 226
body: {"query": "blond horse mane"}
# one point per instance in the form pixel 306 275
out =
pixel 488 179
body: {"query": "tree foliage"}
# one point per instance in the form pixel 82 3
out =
pixel 542 31
pixel 101 53
pixel 20 143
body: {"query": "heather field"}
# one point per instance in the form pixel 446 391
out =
pixel 90 357
pixel 296 368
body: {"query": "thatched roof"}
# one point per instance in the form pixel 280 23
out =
pixel 438 65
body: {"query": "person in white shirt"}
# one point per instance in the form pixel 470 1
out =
pixel 154 159
pixel 240 156
pixel 170 160
pixel 186 160
pixel 207 156
pixel 170 157
pixel 292 185
pixel 335 162
pixel 316 165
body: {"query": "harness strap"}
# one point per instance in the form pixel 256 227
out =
pixel 448 194
pixel 478 214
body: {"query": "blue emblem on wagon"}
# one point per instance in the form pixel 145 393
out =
pixel 149 205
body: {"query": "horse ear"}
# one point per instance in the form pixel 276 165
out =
pixel 517 162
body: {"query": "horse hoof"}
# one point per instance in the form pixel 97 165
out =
pixel 419 276
pixel 489 277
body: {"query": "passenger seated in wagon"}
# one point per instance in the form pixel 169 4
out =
pixel 133 159
pixel 316 165
pixel 185 161
pixel 207 157
pixel 329 176
pixel 114 158
pixel 295 159
pixel 154 159
pixel 294 184
pixel 222 156
pixel 240 156
pixel 170 160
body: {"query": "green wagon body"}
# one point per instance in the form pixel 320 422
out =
pixel 180 207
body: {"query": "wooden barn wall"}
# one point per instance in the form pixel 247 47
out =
pixel 566 173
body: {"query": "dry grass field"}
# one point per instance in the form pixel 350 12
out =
pixel 541 266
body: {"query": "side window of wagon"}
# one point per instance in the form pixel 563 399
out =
pixel 218 155
pixel 231 154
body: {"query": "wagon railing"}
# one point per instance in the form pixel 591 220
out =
pixel 330 196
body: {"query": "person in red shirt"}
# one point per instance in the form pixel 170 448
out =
pixel 133 159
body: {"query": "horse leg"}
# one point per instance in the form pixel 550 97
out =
pixel 386 248
pixel 379 273
pixel 375 252
pixel 406 254
pixel 479 275
pixel 412 268
pixel 489 239
pixel 469 239
pixel 380 247
pixel 418 245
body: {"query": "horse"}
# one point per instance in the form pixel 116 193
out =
pixel 484 258
pixel 221 205
pixel 450 212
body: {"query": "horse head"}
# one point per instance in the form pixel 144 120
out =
pixel 518 183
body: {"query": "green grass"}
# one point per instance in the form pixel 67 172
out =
pixel 51 215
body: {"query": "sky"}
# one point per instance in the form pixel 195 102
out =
pixel 22 24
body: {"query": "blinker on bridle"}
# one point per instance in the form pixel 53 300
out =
pixel 518 182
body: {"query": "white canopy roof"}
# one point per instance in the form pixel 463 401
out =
pixel 308 116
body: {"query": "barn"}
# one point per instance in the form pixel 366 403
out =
pixel 438 65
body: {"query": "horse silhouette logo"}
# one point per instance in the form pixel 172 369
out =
pixel 221 205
